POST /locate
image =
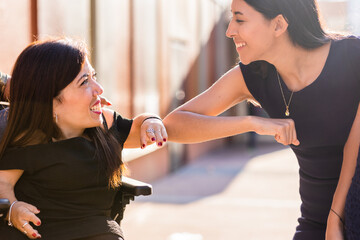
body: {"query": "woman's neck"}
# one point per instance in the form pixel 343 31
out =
pixel 69 133
pixel 299 67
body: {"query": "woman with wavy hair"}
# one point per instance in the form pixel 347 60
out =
pixel 307 80
pixel 60 156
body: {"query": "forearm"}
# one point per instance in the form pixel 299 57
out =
pixel 189 127
pixel 7 191
pixel 347 172
pixel 8 179
pixel 351 149
pixel 335 221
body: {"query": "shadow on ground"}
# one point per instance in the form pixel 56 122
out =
pixel 209 175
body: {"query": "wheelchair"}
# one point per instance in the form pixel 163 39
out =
pixel 130 188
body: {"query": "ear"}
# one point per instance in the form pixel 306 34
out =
pixel 281 25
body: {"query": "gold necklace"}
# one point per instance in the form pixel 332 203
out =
pixel 287 105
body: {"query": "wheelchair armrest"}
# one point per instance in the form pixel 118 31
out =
pixel 4 206
pixel 130 188
pixel 135 187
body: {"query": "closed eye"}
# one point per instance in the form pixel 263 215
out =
pixel 86 80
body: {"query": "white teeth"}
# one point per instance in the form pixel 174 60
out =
pixel 241 45
pixel 96 108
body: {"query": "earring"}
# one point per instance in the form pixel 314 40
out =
pixel 56 118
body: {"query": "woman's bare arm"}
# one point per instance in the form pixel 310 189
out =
pixel 351 150
pixel 198 120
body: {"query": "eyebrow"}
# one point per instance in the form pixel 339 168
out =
pixel 238 13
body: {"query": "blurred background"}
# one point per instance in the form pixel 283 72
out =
pixel 152 56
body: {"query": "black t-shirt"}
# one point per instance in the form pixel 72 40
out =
pixel 64 181
pixel 323 113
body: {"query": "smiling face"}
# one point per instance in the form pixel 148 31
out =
pixel 78 105
pixel 251 32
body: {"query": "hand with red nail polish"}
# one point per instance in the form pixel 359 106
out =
pixel 22 214
pixel 153 131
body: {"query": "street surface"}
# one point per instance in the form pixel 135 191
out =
pixel 230 193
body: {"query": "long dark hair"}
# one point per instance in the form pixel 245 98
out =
pixel 41 71
pixel 304 28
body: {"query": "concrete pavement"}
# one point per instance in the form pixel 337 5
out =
pixel 231 193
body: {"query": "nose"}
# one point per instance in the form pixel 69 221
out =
pixel 230 32
pixel 98 89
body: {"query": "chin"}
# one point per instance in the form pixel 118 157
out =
pixel 247 60
pixel 96 122
pixel 244 61
pixel 99 123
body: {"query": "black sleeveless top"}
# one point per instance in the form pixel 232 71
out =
pixel 323 113
pixel 64 181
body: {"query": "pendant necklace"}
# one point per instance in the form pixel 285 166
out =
pixel 287 105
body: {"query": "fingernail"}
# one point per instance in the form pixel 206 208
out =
pixel 164 139
pixel 38 223
pixel 34 234
pixel 109 103
pixel 153 139
pixel 160 144
pixel 143 146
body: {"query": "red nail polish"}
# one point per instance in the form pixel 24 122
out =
pixel 164 139
pixel 153 139
pixel 34 234
pixel 160 144
pixel 143 145
pixel 38 223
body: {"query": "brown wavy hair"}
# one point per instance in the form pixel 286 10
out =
pixel 41 71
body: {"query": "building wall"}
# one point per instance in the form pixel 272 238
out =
pixel 16 30
pixel 150 56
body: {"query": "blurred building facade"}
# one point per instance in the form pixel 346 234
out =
pixel 150 55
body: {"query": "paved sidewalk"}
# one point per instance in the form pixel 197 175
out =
pixel 231 193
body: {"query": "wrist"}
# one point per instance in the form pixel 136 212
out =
pixel 151 117
pixel 252 123
pixel 9 213
pixel 338 215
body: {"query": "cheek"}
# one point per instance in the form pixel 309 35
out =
pixel 260 40
pixel 75 105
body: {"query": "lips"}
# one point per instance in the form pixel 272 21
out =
pixel 96 108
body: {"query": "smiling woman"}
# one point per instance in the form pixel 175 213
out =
pixel 82 98
pixel 61 163
pixel 308 82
